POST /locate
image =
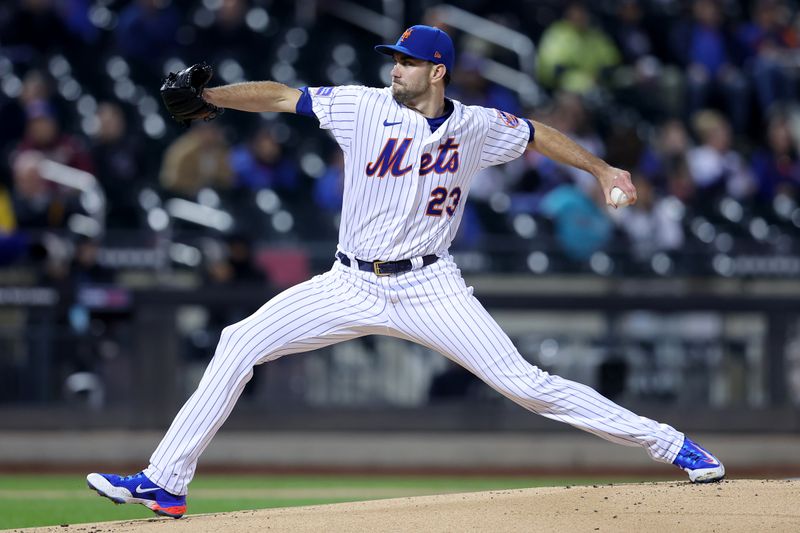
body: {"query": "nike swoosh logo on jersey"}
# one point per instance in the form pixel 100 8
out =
pixel 386 123
pixel 140 490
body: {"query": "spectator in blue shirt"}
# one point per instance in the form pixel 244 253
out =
pixel 777 167
pixel 146 33
pixel 261 164
pixel 770 45
pixel 328 189
pixel 704 49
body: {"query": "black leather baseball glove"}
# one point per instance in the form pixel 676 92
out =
pixel 182 93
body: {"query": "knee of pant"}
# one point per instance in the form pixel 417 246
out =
pixel 532 386
pixel 247 347
pixel 512 379
pixel 227 336
pixel 233 343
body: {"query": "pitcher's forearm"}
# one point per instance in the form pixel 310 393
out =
pixel 558 147
pixel 255 96
pixel 555 145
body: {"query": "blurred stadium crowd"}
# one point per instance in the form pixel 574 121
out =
pixel 697 99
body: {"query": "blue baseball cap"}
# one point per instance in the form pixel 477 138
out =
pixel 423 42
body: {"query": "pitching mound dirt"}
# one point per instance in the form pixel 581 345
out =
pixel 741 505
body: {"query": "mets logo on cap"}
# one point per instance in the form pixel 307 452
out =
pixel 423 42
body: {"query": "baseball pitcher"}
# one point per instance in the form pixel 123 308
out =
pixel 410 156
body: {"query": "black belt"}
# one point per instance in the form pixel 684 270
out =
pixel 386 268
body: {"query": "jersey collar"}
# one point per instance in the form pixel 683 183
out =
pixel 454 118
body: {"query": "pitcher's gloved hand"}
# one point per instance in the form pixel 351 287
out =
pixel 182 93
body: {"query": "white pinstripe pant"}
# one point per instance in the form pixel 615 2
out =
pixel 431 306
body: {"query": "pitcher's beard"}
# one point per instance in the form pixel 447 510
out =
pixel 400 95
pixel 404 96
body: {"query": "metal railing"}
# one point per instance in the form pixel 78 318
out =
pixel 519 80
pixel 92 197
pixel 387 26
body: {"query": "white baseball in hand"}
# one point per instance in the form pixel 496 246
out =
pixel 619 197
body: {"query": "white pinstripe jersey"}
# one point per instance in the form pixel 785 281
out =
pixel 405 187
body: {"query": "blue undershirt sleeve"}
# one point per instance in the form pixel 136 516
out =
pixel 530 125
pixel 304 104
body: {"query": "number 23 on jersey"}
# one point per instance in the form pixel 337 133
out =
pixel 439 196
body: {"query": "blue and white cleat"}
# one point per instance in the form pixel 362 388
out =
pixel 137 489
pixel 699 463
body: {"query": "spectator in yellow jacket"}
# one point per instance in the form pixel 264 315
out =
pixel 573 54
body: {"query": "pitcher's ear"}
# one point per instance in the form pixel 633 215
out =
pixel 439 72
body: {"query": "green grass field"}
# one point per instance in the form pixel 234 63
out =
pixel 41 500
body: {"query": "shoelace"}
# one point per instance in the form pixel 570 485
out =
pixel 694 457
